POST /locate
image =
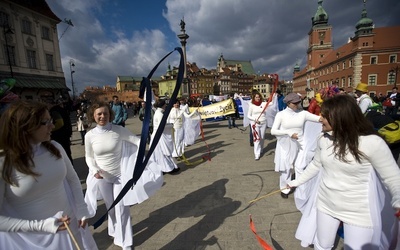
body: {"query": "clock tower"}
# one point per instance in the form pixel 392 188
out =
pixel 320 38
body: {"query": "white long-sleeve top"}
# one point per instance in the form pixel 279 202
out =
pixel 176 117
pixel 257 112
pixel 39 198
pixel 288 122
pixel 344 187
pixel 103 148
pixel 158 114
pixel 364 102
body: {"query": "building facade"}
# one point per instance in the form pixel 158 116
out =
pixel 371 56
pixel 30 50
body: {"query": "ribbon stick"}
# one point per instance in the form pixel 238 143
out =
pixel 72 236
pixel 262 242
pixel 269 194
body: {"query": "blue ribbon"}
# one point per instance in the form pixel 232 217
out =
pixel 142 159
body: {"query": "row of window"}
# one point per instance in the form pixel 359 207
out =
pixel 392 59
pixel 9 54
pixel 26 26
pixel 373 60
pixel 372 81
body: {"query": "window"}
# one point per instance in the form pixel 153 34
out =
pixel 31 59
pixel 343 84
pixel 392 59
pixel 26 26
pixel 374 60
pixel 391 78
pixel 350 63
pixel 372 79
pixel 343 65
pixel 4 19
pixel 49 61
pixel 349 81
pixel 10 55
pixel 45 33
pixel 337 67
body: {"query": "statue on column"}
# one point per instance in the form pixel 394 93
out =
pixel 182 24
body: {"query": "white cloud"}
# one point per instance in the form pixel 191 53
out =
pixel 272 34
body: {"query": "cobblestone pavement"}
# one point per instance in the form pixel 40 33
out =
pixel 206 206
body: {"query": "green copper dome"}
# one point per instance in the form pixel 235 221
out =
pixel 364 21
pixel 320 17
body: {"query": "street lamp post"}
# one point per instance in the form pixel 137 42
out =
pixel 71 66
pixel 393 72
pixel 7 31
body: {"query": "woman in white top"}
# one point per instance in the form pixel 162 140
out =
pixel 103 153
pixel 288 128
pixel 39 188
pixel 81 123
pixel 350 158
pixel 258 123
pixel 162 154
pixel 176 117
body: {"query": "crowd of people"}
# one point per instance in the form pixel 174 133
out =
pixel 323 143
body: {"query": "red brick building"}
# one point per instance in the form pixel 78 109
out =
pixel 371 56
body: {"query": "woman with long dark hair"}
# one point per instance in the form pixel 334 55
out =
pixel 351 160
pixel 40 192
pixel 258 123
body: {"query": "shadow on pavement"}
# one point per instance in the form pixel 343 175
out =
pixel 208 202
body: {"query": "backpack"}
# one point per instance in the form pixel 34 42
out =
pixel 391 132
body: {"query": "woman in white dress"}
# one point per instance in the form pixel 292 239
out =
pixel 39 188
pixel 352 162
pixel 288 129
pixel 105 151
pixel 176 117
pixel 162 154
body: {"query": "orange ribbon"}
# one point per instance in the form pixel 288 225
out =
pixel 262 242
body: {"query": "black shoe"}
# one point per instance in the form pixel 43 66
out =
pixel 251 144
pixel 175 170
pixel 284 196
pixel 230 127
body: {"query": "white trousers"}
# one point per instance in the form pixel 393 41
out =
pixel 259 143
pixel 119 218
pixel 284 178
pixel 178 142
pixel 354 237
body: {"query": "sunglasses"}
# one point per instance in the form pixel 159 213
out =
pixel 47 123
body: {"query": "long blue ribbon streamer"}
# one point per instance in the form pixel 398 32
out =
pixel 142 159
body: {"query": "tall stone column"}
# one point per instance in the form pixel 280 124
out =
pixel 185 88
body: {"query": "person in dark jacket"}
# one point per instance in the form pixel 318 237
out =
pixel 232 117
pixel 62 131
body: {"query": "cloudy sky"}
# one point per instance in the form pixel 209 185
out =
pixel 125 37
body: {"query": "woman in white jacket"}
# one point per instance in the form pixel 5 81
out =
pixel 352 162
